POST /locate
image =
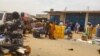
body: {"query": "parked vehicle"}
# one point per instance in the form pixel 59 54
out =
pixel 12 37
pixel 5 17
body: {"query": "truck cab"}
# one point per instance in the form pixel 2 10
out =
pixel 5 17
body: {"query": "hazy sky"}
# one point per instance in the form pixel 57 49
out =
pixel 38 6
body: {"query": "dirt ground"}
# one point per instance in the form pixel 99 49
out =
pixel 60 47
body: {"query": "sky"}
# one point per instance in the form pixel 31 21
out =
pixel 38 6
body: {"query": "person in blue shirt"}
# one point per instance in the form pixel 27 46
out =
pixel 68 32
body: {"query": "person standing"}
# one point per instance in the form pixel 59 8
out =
pixel 89 30
pixel 51 30
pixel 15 28
pixel 24 21
pixel 77 27
pixel 46 27
pixel 68 32
pixel 27 23
pixel 98 31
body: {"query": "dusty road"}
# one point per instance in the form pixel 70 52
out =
pixel 46 47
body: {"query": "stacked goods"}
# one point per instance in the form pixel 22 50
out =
pixel 62 29
pixel 56 31
pixel 59 32
pixel 84 37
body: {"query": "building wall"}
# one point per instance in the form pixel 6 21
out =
pixel 94 18
pixel 76 17
pixel 60 14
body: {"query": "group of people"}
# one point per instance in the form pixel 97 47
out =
pixel 74 27
pixel 90 30
pixel 93 30
pixel 56 31
pixel 50 29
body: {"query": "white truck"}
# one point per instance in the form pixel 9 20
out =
pixel 5 17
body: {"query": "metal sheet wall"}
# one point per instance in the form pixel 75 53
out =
pixel 76 17
pixel 94 18
pixel 55 18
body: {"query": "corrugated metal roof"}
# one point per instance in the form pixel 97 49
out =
pixel 72 11
pixel 41 16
